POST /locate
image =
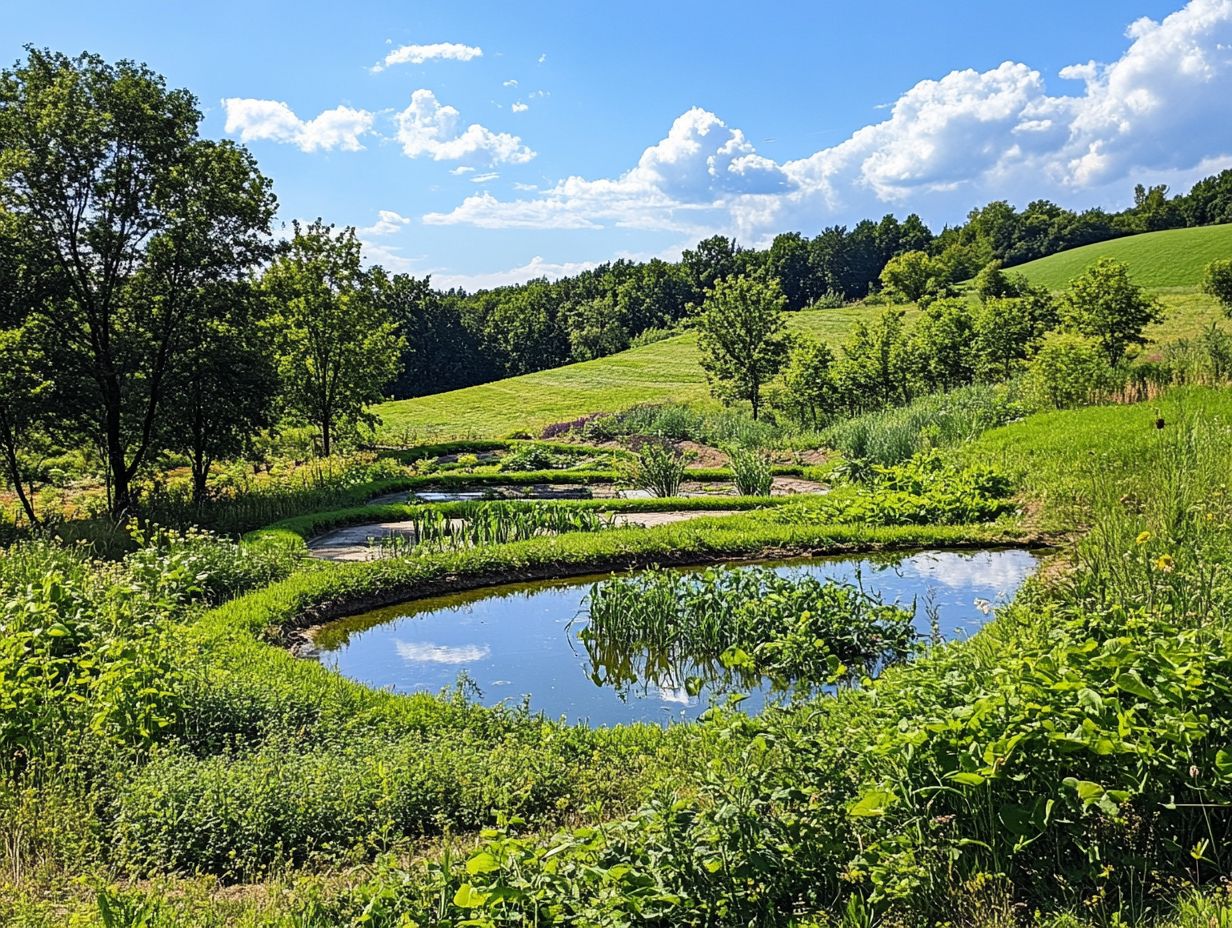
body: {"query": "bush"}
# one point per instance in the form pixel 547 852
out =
pixel 1217 282
pixel 656 467
pixel 922 491
pixel 528 458
pixel 1069 370
pixel 751 471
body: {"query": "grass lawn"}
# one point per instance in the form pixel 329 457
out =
pixel 662 372
pixel 1173 258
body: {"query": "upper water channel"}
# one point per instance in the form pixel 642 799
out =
pixel 521 641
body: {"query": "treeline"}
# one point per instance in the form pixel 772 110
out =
pixel 456 339
pixel 147 314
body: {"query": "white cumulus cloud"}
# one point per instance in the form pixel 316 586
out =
pixel 519 107
pixel 428 128
pixel 419 54
pixel 387 223
pixel 1158 112
pixel 274 121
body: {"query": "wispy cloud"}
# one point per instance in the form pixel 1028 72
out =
pixel 419 54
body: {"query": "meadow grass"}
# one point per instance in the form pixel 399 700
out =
pixel 1172 258
pixel 666 371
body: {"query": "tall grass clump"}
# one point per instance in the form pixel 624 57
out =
pixel 751 471
pixel 751 619
pixel 657 468
pixel 938 420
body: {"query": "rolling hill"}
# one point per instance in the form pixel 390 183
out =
pixel 668 371
pixel 1173 258
pixel 661 372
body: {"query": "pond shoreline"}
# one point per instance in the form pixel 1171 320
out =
pixel 298 633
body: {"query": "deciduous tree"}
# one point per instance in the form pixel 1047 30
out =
pixel 338 340
pixel 138 217
pixel 1104 304
pixel 741 339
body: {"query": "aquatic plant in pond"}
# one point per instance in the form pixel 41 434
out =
pixel 751 620
pixel 487 524
pixel 521 640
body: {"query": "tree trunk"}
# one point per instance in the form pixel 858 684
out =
pixel 325 436
pixel 15 476
pixel 200 476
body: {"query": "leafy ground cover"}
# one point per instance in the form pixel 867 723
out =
pixel 1069 760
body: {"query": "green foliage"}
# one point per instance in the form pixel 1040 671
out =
pixel 338 343
pixel 656 467
pixel 1217 282
pixel 937 420
pixel 877 366
pixel 529 457
pixel 809 395
pixel 164 223
pixel 751 471
pixel 922 491
pixel 1103 303
pixel 941 344
pixel 911 276
pixel 1069 370
pixel 751 620
pixel 1007 331
pixel 741 338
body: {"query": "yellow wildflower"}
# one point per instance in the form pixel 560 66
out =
pixel 1165 563
pixel 1144 537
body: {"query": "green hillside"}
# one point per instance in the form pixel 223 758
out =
pixel 1174 258
pixel 665 371
pixel 669 370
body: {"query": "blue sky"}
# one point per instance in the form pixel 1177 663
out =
pixel 505 140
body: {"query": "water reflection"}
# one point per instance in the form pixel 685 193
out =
pixel 520 640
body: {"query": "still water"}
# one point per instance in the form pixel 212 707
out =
pixel 521 641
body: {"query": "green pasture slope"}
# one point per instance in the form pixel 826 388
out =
pixel 662 372
pixel 1170 263
pixel 1157 260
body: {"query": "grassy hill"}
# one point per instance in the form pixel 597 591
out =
pixel 669 370
pixel 662 372
pixel 1174 258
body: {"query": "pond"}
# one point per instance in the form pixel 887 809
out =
pixel 521 641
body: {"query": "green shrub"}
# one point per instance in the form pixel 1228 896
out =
pixel 656 467
pixel 751 472
pixel 922 491
pixel 1069 370
pixel 529 457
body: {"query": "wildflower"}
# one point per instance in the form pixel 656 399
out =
pixel 1144 537
pixel 1165 563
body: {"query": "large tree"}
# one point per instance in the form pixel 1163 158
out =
pixel 742 341
pixel 225 385
pixel 339 344
pixel 1103 303
pixel 138 217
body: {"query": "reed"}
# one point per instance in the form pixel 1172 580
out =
pixel 432 529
